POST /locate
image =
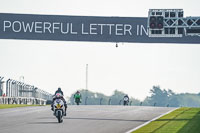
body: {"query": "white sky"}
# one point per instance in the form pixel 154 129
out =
pixel 132 68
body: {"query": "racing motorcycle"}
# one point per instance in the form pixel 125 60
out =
pixel 77 101
pixel 58 108
pixel 77 98
pixel 126 100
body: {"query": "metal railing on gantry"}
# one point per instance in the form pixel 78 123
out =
pixel 17 92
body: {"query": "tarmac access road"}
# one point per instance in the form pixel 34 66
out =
pixel 79 119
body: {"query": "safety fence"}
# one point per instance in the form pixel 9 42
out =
pixel 17 92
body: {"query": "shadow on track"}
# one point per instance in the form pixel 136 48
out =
pixel 43 123
pixel 103 119
pixel 46 118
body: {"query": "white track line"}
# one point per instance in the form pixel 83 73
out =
pixel 130 131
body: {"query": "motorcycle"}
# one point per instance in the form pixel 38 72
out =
pixel 77 101
pixel 58 108
pixel 126 100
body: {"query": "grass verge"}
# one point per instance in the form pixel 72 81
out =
pixel 182 120
pixel 5 106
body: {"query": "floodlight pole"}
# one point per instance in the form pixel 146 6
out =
pixel 86 77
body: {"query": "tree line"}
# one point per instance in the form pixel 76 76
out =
pixel 159 97
pixel 95 98
pixel 169 98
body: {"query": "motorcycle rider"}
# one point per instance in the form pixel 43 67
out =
pixel 62 98
pixel 77 95
pixel 126 97
pixel 59 91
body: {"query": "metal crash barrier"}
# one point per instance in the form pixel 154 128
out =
pixel 17 92
pixel 22 100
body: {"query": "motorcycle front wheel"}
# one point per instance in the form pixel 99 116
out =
pixel 59 117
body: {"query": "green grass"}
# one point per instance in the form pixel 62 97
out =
pixel 5 106
pixel 183 120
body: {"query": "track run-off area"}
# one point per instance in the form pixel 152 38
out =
pixel 79 119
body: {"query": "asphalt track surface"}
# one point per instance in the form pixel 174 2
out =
pixel 79 119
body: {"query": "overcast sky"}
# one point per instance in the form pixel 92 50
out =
pixel 132 68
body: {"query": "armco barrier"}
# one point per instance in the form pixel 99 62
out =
pixel 22 100
pixel 17 92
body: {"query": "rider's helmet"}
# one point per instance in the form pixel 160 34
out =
pixel 59 89
pixel 78 92
pixel 59 93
